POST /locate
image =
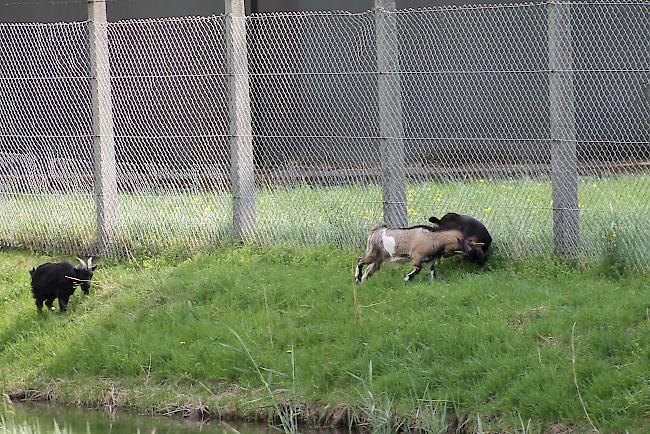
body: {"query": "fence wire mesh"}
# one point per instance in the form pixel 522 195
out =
pixel 520 115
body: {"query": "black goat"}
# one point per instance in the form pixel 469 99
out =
pixel 474 232
pixel 58 280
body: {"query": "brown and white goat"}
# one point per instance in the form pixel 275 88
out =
pixel 418 244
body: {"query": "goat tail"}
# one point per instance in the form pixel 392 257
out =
pixel 434 219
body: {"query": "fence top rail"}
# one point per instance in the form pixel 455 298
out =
pixel 33 24
pixel 337 13
pixel 446 8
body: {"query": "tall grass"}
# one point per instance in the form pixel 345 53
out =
pixel 517 212
pixel 8 424
pixel 156 335
pixel 41 418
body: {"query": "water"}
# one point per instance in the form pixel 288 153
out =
pixel 40 419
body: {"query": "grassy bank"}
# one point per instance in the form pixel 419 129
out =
pixel 249 331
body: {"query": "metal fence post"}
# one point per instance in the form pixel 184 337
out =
pixel 391 129
pixel 105 172
pixel 564 161
pixel 242 175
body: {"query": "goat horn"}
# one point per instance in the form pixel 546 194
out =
pixel 460 252
pixel 90 262
pixel 471 243
pixel 81 261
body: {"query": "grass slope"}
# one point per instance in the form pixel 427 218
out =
pixel 170 337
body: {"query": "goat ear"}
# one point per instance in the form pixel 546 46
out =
pixel 93 268
pixel 459 240
pixel 81 262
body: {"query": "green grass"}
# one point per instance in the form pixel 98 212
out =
pixel 221 330
pixel 518 213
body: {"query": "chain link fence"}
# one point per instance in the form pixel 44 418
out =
pixel 534 118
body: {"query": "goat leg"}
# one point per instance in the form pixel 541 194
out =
pixel 358 270
pixel 412 274
pixel 370 270
pixel 432 270
pixel 39 305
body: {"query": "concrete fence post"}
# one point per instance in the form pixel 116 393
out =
pixel 564 161
pixel 104 167
pixel 242 173
pixel 391 129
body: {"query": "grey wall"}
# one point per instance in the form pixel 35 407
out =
pixel 609 106
pixel 51 11
pixel 42 11
pixel 358 5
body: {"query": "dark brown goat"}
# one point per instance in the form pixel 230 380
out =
pixel 474 232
